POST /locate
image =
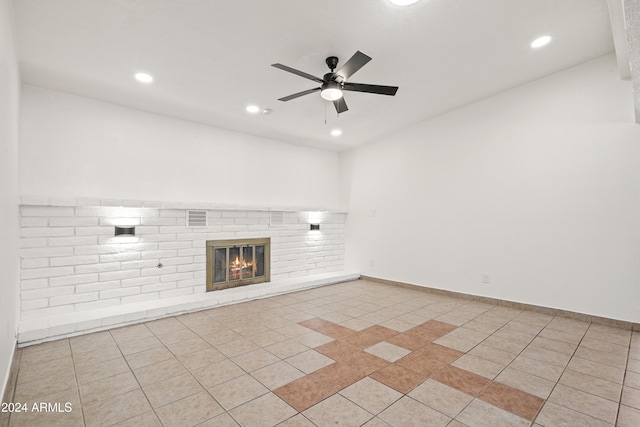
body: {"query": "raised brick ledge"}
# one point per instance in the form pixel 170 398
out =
pixel 34 331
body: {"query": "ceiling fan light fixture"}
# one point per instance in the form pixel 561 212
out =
pixel 331 91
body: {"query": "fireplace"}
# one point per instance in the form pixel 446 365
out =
pixel 239 262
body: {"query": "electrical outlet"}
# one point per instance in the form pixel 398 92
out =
pixel 371 263
pixel 485 278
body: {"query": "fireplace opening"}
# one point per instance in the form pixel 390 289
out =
pixel 239 262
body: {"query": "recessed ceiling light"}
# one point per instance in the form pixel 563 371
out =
pixel 540 41
pixel 336 132
pixel 403 2
pixel 253 109
pixel 144 77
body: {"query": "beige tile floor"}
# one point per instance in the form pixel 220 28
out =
pixel 352 354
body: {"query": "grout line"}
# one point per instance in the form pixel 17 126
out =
pixel 563 372
pixel 75 376
pixel 189 371
pixel 134 375
pixel 508 364
pixel 320 298
pixel 624 379
pixel 230 360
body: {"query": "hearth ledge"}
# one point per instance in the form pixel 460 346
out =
pixel 34 331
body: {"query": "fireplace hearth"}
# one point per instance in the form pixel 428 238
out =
pixel 237 262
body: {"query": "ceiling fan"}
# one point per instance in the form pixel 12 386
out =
pixel 334 83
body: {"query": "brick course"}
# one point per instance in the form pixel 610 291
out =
pixel 71 261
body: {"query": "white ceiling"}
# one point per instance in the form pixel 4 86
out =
pixel 210 58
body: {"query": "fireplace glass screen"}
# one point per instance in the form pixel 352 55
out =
pixel 233 263
pixel 220 267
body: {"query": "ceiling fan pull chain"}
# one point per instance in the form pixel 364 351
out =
pixel 325 113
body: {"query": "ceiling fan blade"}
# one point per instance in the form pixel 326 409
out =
pixel 357 61
pixel 299 94
pixel 298 73
pixel 377 89
pixel 341 105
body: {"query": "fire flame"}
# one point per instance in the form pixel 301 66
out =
pixel 236 263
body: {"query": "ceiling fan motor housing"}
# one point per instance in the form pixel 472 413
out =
pixel 331 77
pixel 332 62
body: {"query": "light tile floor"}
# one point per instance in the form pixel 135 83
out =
pixel 352 354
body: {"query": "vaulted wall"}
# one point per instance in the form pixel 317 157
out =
pixel 537 187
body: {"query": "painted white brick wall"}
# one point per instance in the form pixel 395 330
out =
pixel 71 261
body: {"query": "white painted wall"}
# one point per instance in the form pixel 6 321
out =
pixel 77 147
pixel 539 187
pixel 9 108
